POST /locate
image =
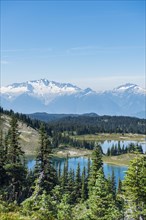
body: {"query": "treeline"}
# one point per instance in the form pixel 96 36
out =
pixel 34 123
pixel 118 150
pixel 86 124
pixel 99 124
pixel 57 138
pixel 45 193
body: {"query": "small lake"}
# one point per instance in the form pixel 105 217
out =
pixel 119 171
pixel 108 144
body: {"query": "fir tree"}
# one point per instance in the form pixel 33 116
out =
pixel 70 186
pixel 113 185
pixel 78 183
pixel 84 185
pixel 64 176
pixel 101 203
pixel 135 188
pixel 119 189
pixel 44 169
pixel 96 165
pixel 15 167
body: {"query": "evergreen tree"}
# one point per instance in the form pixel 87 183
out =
pixel 15 167
pixel 135 188
pixel 64 176
pixel 101 203
pixel 64 208
pixel 108 152
pixel 84 185
pixel 96 165
pixel 113 184
pixel 88 167
pixel 44 169
pixel 15 153
pixel 119 189
pixel 119 148
pixel 78 183
pixel 70 186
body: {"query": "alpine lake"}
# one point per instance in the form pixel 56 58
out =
pixel 119 170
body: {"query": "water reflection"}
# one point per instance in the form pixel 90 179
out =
pixel 109 143
pixel 119 171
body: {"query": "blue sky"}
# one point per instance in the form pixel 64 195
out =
pixel 97 44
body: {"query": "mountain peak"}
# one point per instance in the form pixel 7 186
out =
pixel 126 86
pixel 56 97
pixel 129 88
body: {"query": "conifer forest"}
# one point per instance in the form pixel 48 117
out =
pixel 46 193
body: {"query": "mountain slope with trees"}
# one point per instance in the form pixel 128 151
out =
pixel 45 193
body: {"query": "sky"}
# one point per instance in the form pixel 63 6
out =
pixel 96 44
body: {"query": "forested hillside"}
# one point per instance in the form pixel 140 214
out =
pixel 45 193
pixel 97 124
pixel 84 124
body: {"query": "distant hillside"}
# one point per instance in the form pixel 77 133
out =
pixel 28 136
pixel 91 124
pixel 43 116
pixel 46 117
pixel 82 124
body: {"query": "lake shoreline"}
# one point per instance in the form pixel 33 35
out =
pixel 120 160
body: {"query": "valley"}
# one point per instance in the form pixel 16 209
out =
pixel 29 141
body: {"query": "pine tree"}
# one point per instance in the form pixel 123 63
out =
pixel 88 167
pixel 64 209
pixel 96 165
pixel 113 182
pixel 112 185
pixel 70 186
pixel 15 153
pixel 119 189
pixel 78 183
pixel 44 169
pixel 15 167
pixel 101 203
pixel 119 148
pixel 64 176
pixel 135 188
pixel 84 185
pixel 108 152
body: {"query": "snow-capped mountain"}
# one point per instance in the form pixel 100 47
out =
pixel 42 89
pixel 52 97
pixel 129 88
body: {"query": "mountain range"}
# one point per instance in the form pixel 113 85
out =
pixel 53 97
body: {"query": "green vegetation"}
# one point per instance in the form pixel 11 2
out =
pixel 106 136
pixel 46 193
pixel 83 124
pixel 118 150
pixel 120 160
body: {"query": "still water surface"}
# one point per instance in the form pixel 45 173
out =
pixel 119 171
pixel 108 144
